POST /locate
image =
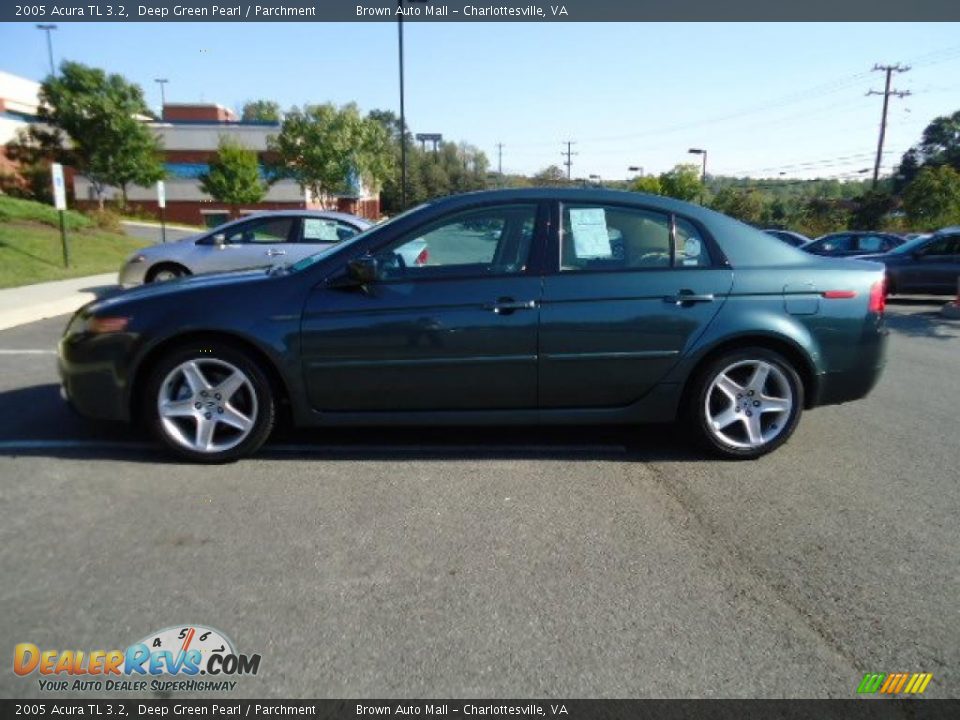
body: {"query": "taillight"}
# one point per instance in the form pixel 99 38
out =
pixel 423 258
pixel 878 297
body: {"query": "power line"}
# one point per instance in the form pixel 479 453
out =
pixel 887 92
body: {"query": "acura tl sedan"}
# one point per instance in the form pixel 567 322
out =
pixel 534 306
pixel 257 240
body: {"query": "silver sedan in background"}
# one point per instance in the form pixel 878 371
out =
pixel 257 240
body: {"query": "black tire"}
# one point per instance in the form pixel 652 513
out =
pixel 166 271
pixel 257 402
pixel 779 428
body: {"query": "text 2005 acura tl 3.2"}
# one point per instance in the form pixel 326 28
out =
pixel 533 306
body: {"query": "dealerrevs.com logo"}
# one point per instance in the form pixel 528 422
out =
pixel 200 658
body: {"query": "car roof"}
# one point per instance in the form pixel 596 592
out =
pixel 321 214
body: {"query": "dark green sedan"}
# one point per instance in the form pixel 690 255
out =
pixel 523 307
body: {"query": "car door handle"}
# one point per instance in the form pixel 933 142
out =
pixel 271 252
pixel 688 296
pixel 504 306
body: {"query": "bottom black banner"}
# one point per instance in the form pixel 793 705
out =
pixel 872 709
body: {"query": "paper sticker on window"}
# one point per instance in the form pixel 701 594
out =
pixel 322 230
pixel 590 236
pixel 692 248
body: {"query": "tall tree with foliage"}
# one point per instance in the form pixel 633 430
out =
pixel 932 200
pixel 99 118
pixel 552 175
pixel 871 209
pixel 233 177
pixel 745 205
pixel 264 111
pixel 646 184
pixel 324 148
pixel 682 183
pixel 939 145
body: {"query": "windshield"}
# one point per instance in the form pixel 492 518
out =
pixel 326 252
pixel 911 245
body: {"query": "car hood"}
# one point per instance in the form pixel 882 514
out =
pixel 182 285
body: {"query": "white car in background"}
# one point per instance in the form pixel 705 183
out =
pixel 257 240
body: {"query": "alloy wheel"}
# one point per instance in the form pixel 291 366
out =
pixel 748 404
pixel 207 405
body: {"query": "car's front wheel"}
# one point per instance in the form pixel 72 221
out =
pixel 747 402
pixel 210 402
pixel 165 272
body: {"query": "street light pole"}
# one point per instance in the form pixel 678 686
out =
pixel 403 121
pixel 47 28
pixel 703 173
pixel 163 97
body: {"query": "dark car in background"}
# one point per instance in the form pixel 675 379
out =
pixel 541 305
pixel 929 264
pixel 853 243
pixel 794 239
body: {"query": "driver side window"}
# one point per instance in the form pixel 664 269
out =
pixel 487 241
pixel 266 230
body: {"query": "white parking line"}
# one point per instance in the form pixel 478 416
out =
pixel 319 448
pixel 28 352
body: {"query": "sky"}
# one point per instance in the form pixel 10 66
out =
pixel 762 99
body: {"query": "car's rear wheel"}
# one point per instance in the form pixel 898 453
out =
pixel 210 403
pixel 165 272
pixel 746 403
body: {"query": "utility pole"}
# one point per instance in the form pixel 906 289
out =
pixel 500 164
pixel 403 117
pixel 887 92
pixel 569 153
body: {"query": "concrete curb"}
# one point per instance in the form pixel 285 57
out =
pixel 29 303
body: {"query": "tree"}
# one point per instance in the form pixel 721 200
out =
pixel 233 177
pixel 745 205
pixel 326 149
pixel 98 117
pixel 939 145
pixel 819 215
pixel 870 210
pixel 263 111
pixel 551 175
pixel 932 199
pixel 647 184
pixel 682 183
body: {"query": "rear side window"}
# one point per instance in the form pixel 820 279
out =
pixel 597 237
pixel 692 250
pixel 323 230
pixel 872 243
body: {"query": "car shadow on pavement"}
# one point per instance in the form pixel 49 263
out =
pixel 929 324
pixel 36 422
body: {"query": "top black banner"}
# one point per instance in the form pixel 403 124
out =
pixel 479 11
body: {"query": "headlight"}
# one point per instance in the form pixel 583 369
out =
pixel 99 325
pixel 136 259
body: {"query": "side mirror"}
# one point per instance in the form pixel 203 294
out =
pixel 219 239
pixel 364 270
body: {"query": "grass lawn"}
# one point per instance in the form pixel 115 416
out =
pixel 30 252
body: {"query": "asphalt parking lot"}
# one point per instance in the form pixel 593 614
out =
pixel 514 562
